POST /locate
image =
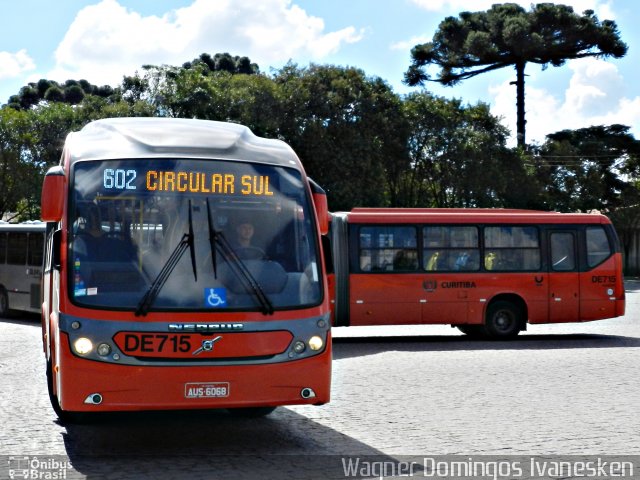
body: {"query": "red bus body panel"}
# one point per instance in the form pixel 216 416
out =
pixel 458 298
pixel 126 387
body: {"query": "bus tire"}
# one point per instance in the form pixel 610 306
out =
pixel 503 320
pixel 251 412
pixel 4 302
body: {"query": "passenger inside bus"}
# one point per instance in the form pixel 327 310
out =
pixel 490 261
pixel 94 243
pixel 432 263
pixel 89 231
pixel 103 260
pixel 405 259
pixel 243 246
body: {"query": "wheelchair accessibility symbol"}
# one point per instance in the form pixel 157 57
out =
pixel 215 297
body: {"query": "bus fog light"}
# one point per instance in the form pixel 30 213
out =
pixel 104 349
pixel 83 345
pixel 315 343
pixel 299 347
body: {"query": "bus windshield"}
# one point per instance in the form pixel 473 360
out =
pixel 198 234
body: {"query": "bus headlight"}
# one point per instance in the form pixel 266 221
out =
pixel 315 343
pixel 83 345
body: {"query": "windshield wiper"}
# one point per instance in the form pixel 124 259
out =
pixel 217 241
pixel 187 241
pixel 212 242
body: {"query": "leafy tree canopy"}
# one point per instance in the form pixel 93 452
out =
pixel 224 62
pixel 71 92
pixel 508 35
pixel 588 168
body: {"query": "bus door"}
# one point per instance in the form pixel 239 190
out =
pixel 601 283
pixel 564 276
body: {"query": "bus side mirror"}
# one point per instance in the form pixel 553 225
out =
pixel 321 205
pixel 52 199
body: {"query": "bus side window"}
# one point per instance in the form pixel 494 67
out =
pixel 388 248
pixel 598 247
pixel 36 242
pixel 562 252
pixel 3 247
pixel 512 248
pixel 450 248
pixel 17 248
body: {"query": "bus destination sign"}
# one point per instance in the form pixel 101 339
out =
pixel 186 182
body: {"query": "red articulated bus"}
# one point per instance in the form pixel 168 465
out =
pixel 183 270
pixel 488 272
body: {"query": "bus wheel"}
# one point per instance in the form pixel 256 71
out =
pixel 503 320
pixel 4 303
pixel 251 412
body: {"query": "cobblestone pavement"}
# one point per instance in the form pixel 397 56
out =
pixel 568 389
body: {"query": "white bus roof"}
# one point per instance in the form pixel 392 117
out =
pixel 33 226
pixel 151 137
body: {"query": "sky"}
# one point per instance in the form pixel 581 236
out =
pixel 103 40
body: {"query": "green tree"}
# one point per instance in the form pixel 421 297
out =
pixel 626 219
pixel 224 62
pixel 54 94
pixel 346 128
pixel 73 94
pixel 458 155
pixel 589 168
pixel 49 125
pixel 17 172
pixel 508 35
pixel 134 88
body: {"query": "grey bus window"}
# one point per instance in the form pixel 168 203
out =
pixel 511 248
pixel 36 249
pixel 388 248
pixel 3 247
pixel 563 256
pixel 17 249
pixel 450 248
pixel 598 246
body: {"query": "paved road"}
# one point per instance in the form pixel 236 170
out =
pixel 422 391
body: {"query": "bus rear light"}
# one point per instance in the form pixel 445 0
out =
pixel 83 346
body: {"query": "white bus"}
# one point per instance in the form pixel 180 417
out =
pixel 21 247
